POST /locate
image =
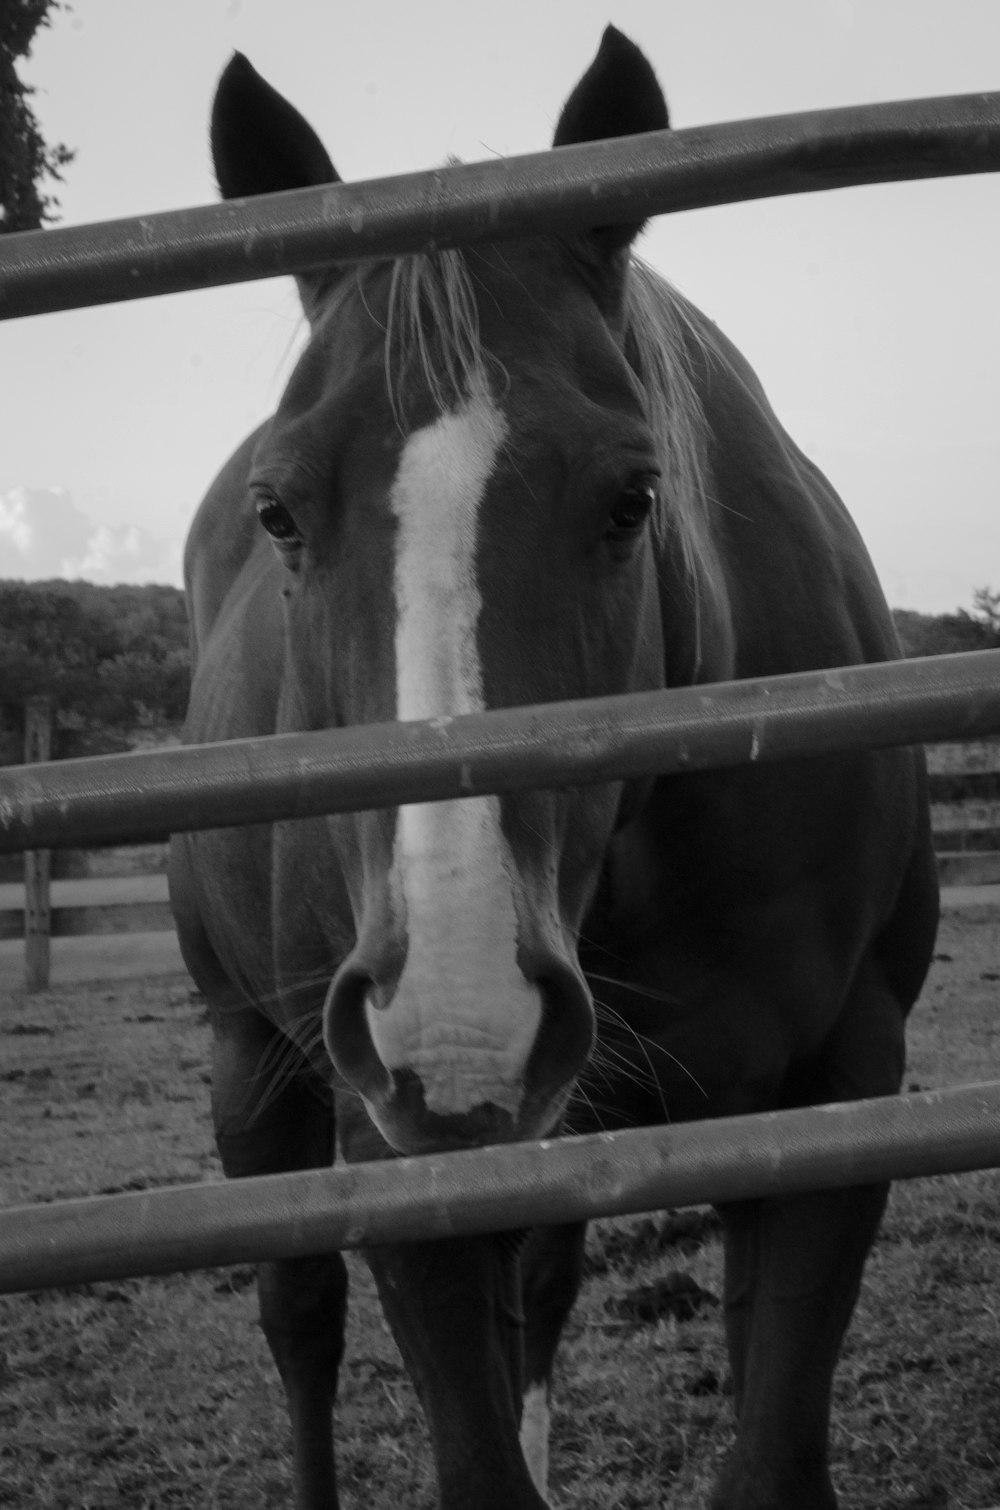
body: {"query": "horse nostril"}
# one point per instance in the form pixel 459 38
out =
pixel 347 1035
pixel 452 1090
pixel 568 1028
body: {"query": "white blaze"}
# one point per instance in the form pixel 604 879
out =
pixel 535 1434
pixel 463 1017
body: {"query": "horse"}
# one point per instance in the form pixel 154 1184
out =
pixel 520 472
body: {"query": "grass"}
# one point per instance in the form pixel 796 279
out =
pixel 160 1393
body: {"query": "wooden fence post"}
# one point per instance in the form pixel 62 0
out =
pixel 37 869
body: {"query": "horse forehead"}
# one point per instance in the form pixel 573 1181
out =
pixel 443 470
pixel 561 368
pixel 545 349
pixel 436 495
pixel 536 289
pixel 334 404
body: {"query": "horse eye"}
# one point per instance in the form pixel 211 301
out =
pixel 278 522
pixel 633 506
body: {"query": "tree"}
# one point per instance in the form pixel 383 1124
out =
pixel 114 657
pixel 26 160
pixel 946 633
pixel 986 607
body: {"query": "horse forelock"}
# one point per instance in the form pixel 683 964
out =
pixel 424 309
pixel 433 327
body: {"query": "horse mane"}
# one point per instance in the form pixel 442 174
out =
pixel 661 332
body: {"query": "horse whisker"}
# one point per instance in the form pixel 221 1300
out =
pixel 627 985
pixel 660 1049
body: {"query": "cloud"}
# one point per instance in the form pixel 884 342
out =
pixel 15 527
pixel 43 534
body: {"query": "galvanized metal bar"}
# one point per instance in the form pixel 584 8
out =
pixel 131 798
pixel 593 183
pixel 498 1188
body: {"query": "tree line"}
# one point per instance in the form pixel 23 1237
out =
pixel 110 658
pixel 948 633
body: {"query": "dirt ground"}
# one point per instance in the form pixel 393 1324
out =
pixel 160 1393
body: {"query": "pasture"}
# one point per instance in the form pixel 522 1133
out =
pixel 161 1393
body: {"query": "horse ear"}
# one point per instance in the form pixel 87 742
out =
pixel 618 96
pixel 262 145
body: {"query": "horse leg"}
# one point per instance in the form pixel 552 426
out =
pixel 303 1308
pixel 793 1271
pixel 303 1301
pixel 551 1274
pixel 454 1309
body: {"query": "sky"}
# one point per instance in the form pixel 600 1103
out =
pixel 871 315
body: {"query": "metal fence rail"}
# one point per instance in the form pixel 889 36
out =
pixel 128 798
pixel 593 183
pixel 499 1188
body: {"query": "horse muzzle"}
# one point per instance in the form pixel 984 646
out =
pixel 438 1072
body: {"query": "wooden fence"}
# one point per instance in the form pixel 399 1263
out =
pixel 965 811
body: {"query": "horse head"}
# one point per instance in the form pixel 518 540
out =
pixel 463 487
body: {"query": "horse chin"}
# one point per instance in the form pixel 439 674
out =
pixel 410 1128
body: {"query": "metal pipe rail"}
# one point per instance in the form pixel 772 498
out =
pixel 135 797
pixel 498 1188
pixel 593 183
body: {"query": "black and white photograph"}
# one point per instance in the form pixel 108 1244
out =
pixel 499 755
